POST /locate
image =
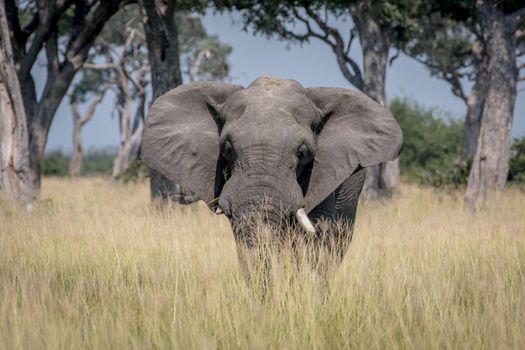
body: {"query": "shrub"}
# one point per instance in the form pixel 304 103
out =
pixel 517 161
pixel 98 162
pixel 55 164
pixel 432 145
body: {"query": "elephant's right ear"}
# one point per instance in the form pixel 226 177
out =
pixel 181 135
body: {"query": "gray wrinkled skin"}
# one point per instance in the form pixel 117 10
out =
pixel 197 133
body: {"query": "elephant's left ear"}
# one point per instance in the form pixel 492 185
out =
pixel 356 131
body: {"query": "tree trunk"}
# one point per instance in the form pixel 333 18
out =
pixel 15 175
pixel 381 179
pixel 475 103
pixel 54 91
pixel 63 61
pixel 75 164
pixel 491 160
pixel 127 152
pixel 158 18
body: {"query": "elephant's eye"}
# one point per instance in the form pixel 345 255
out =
pixel 227 150
pixel 304 152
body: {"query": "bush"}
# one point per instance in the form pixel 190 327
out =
pixel 432 145
pixel 517 161
pixel 98 162
pixel 55 164
pixel 137 171
pixel 94 163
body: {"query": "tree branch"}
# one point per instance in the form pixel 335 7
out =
pixel 11 10
pixel 53 63
pixel 517 17
pixel 350 41
pixel 48 17
pixel 76 112
pixel 78 47
pixel 100 66
pixel 451 76
pixel 457 88
pixel 338 47
pixel 93 106
pixel 194 69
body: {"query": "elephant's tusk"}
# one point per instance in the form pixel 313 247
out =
pixel 304 221
pixel 219 211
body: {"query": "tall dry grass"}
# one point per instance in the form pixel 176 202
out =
pixel 94 266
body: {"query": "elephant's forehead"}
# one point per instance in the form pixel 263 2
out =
pixel 259 103
pixel 274 83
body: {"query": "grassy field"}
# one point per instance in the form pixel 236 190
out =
pixel 94 266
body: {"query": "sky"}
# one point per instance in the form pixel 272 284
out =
pixel 312 64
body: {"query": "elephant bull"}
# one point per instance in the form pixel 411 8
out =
pixel 276 147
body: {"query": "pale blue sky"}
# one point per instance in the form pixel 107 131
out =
pixel 312 64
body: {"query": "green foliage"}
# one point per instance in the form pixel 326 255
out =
pixel 114 30
pixel 90 83
pixel 137 171
pixel 98 162
pixel 517 161
pixel 444 46
pixel 95 163
pixel 194 39
pixel 397 18
pixel 55 164
pixel 431 151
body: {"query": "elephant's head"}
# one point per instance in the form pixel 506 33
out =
pixel 273 144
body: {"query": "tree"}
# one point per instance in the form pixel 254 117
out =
pixel 66 30
pixel 79 120
pixel 479 40
pixel 379 25
pixel 203 56
pixel 494 30
pixel 452 52
pixel 126 69
pixel 119 60
pixel 161 26
pixel 15 175
pixel 490 165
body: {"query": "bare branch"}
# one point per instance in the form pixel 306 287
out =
pixel 517 17
pixel 457 88
pixel 309 30
pixel 101 66
pixel 93 106
pixel 76 112
pixel 195 67
pixel 394 57
pixel 338 46
pixel 47 19
pixel 78 47
pixel 452 76
pixel 350 41
pixel 53 63
pixel 519 35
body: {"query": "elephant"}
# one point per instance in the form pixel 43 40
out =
pixel 297 154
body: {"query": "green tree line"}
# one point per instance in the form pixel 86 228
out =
pixel 432 151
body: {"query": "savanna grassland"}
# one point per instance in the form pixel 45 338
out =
pixel 94 266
